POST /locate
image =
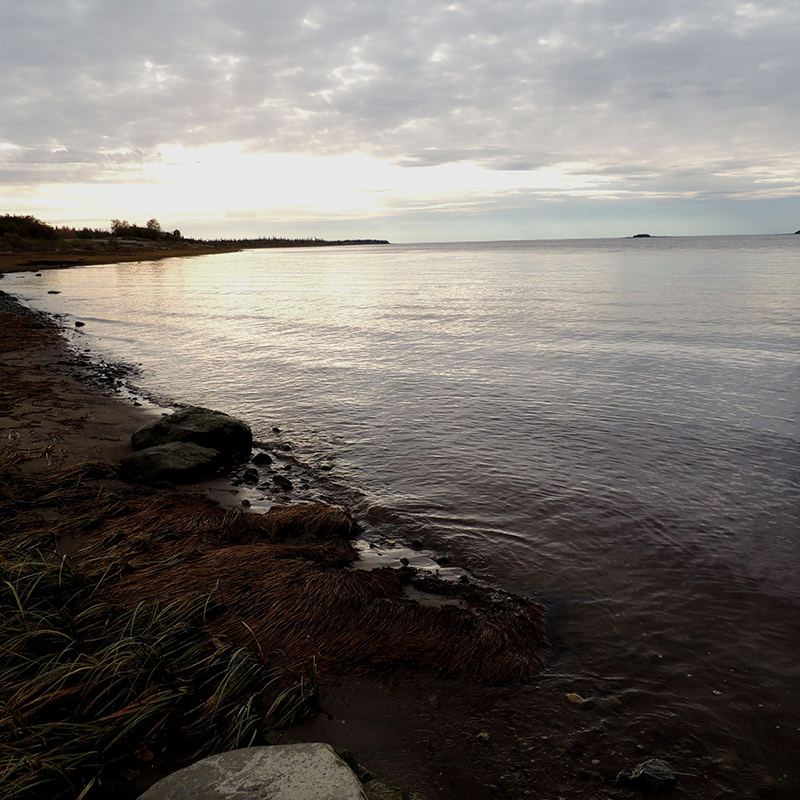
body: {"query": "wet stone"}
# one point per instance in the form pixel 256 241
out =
pixel 175 462
pixel 231 437
pixel 281 482
pixel 653 776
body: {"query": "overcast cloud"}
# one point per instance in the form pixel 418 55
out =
pixel 683 99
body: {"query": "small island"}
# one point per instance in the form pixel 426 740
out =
pixel 641 236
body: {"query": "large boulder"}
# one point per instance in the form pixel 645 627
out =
pixel 175 462
pixel 280 772
pixel 229 436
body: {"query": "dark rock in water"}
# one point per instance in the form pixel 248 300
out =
pixel 416 544
pixel 442 561
pixel 276 430
pixel 285 447
pixel 229 436
pixel 654 776
pixel 326 467
pixel 281 482
pixel 53 291
pixel 405 562
pixel 262 459
pixel 175 462
pixel 79 324
pixel 250 476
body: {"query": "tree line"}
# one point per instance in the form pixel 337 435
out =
pixel 17 229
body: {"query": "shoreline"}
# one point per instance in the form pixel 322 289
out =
pixel 34 260
pixel 53 423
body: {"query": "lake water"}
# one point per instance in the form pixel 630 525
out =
pixel 611 426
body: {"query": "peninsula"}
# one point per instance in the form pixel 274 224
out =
pixel 28 243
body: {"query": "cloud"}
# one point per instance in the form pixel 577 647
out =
pixel 637 92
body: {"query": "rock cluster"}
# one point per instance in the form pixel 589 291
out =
pixel 186 446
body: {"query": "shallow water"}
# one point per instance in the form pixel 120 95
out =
pixel 608 425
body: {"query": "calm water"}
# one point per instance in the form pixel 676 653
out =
pixel 612 426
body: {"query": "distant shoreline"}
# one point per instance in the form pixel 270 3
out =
pixel 29 260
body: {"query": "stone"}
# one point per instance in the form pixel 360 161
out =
pixel 653 776
pixel 250 476
pixel 79 324
pixel 262 459
pixel 281 482
pixel 279 772
pixel 380 789
pixel 175 462
pixel 229 436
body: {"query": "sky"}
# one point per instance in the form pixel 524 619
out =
pixel 411 120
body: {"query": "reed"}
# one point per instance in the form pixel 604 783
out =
pixel 89 689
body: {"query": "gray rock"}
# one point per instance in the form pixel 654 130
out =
pixel 229 436
pixel 281 772
pixel 176 462
pixel 654 776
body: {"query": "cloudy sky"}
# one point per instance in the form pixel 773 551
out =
pixel 413 120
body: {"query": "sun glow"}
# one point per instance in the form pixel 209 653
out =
pixel 226 182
